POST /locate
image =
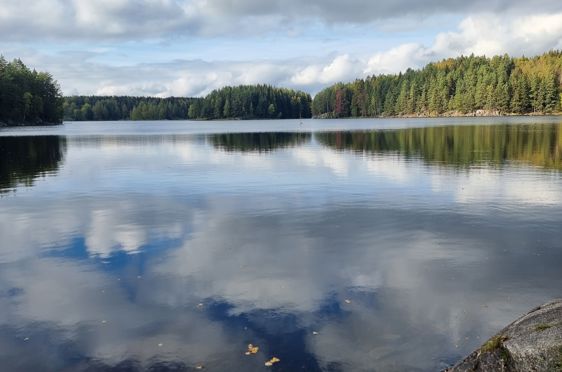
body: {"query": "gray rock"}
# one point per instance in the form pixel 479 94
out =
pixel 531 343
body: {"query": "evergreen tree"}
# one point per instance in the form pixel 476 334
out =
pixel 28 97
pixel 464 84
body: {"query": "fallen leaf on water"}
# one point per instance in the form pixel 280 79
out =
pixel 252 349
pixel 272 361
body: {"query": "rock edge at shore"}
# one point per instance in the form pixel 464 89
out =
pixel 531 343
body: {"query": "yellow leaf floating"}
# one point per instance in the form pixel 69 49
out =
pixel 252 349
pixel 272 361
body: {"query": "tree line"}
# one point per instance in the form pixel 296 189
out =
pixel 252 102
pixel 463 85
pixel 28 97
pixel 87 108
pixel 242 102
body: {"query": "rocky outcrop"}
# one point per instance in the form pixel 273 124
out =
pixel 531 343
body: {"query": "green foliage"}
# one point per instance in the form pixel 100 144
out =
pixel 243 102
pixel 493 344
pixel 253 102
pixel 79 108
pixel 462 85
pixel 28 96
pixel 543 327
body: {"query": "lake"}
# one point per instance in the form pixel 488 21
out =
pixel 337 245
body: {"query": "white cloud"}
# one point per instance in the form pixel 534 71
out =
pixel 398 59
pixel 497 34
pixel 77 19
pixel 341 68
pixel 484 34
pixel 479 32
pixel 141 19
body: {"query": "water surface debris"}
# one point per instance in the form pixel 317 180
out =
pixel 347 301
pixel 252 349
pixel 272 361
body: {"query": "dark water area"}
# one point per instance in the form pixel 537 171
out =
pixel 345 245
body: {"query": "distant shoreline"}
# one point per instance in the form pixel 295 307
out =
pixel 450 114
pixel 35 124
pixel 420 116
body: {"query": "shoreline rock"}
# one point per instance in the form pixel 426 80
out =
pixel 26 124
pixel 531 343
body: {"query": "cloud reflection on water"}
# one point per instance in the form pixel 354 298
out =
pixel 172 241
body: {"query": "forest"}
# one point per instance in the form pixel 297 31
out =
pixel 28 97
pixel 467 85
pixel 242 102
pixel 97 108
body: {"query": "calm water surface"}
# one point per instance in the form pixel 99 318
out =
pixel 360 245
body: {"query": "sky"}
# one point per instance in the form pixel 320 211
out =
pixel 190 47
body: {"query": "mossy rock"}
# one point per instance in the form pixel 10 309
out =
pixel 531 343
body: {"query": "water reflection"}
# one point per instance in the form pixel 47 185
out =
pixel 167 253
pixel 538 145
pixel 258 141
pixel 23 159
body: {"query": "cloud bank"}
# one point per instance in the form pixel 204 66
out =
pixel 87 38
pixel 134 19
